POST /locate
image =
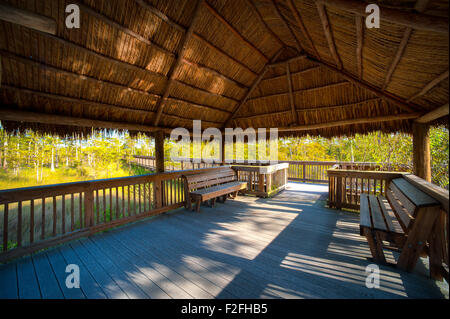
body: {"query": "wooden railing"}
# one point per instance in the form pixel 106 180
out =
pixel 304 171
pixel 38 217
pixel 346 186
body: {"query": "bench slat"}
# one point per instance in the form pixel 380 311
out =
pixel 415 195
pixel 211 182
pixel 391 221
pixel 377 215
pixel 404 201
pixel 401 213
pixel 364 213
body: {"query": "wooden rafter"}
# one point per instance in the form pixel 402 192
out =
pixel 280 16
pixel 359 45
pixel 429 86
pixel 101 83
pixel 291 95
pixel 282 63
pixel 197 36
pixel 125 30
pixel 261 20
pixel 326 86
pixel 327 30
pixel 292 73
pixel 414 20
pixel 250 91
pixel 302 27
pixel 434 115
pixel 206 91
pixel 178 61
pixel 377 119
pixel 27 19
pixel 309 109
pixel 420 7
pixel 384 95
pixel 219 17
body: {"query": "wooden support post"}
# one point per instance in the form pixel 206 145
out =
pixel 159 151
pixel 88 207
pixel 261 183
pixel 222 150
pixel 421 151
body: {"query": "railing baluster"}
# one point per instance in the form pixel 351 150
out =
pixel 43 219
pixel 19 224
pixel 31 221
pixel 5 227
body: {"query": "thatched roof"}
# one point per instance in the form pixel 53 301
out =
pixel 147 64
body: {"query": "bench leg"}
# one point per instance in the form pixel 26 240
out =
pixel 213 202
pixel 375 245
pixel 197 205
pixel 188 203
pixel 415 242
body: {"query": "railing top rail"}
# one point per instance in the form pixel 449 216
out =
pixel 358 173
pixel 34 192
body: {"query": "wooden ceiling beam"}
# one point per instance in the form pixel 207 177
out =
pixel 414 20
pixel 282 63
pixel 278 13
pixel 27 19
pixel 52 119
pixel 249 92
pixel 161 15
pixel 291 95
pixel 309 109
pixel 178 61
pixel 292 73
pixel 368 120
pixel 328 35
pixel 359 45
pixel 302 27
pixel 429 86
pixel 384 95
pixel 419 7
pixel 219 17
pixel 327 86
pixel 434 114
pixel 261 20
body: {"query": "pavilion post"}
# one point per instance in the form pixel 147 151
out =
pixel 222 150
pixel 421 151
pixel 159 151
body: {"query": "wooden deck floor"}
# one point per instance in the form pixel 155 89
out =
pixel 289 246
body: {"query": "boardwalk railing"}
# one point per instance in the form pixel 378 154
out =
pixel 346 186
pixel 34 218
pixel 304 171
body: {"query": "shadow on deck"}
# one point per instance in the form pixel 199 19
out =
pixel 289 246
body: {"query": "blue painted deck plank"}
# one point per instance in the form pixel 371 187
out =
pixel 179 276
pixel 8 281
pixel 139 278
pixel 143 266
pixel 116 273
pixel 88 284
pixel 165 242
pixel 27 281
pixel 59 265
pixel 167 247
pixel 46 277
pixel 106 282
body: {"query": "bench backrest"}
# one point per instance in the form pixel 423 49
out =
pixel 406 199
pixel 219 176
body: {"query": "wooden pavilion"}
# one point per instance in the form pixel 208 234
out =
pixel 302 66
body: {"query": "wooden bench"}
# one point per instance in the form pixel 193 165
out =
pixel 211 185
pixel 403 222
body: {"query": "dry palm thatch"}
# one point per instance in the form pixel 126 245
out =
pixel 306 66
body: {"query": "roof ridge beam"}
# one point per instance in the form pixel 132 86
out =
pixel 291 95
pixel 434 114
